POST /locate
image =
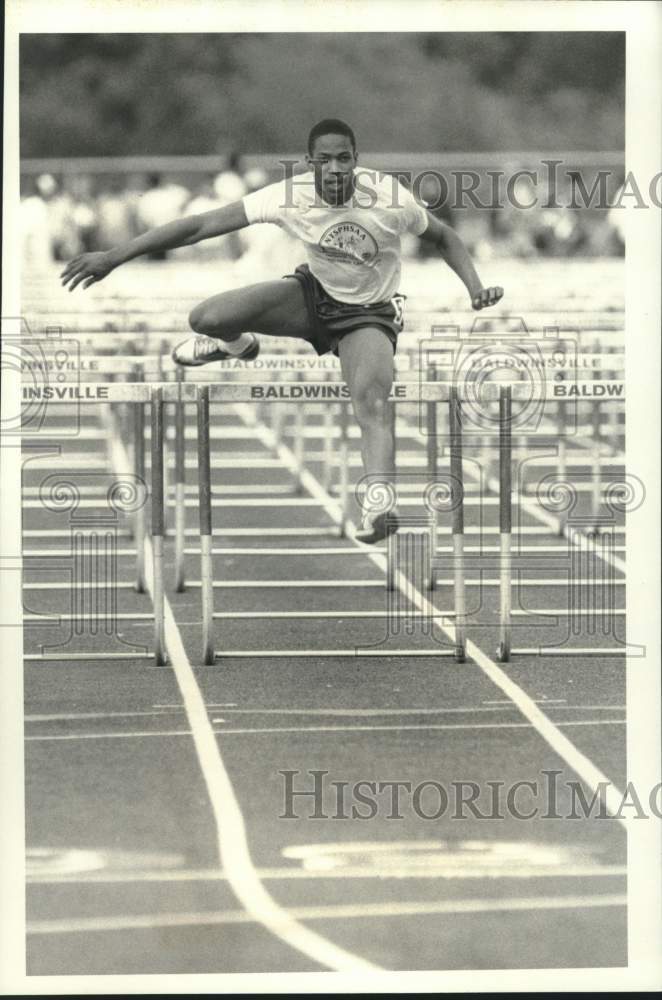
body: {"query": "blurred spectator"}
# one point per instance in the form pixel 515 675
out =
pixel 160 203
pixel 229 185
pixel 559 232
pixel 83 211
pixel 116 215
pixel 36 246
pixel 616 220
pixel 203 200
pixel 64 239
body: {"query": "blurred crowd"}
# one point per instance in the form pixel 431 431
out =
pixel 64 216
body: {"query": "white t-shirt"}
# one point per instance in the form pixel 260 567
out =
pixel 354 249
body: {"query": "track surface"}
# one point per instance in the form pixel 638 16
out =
pixel 148 852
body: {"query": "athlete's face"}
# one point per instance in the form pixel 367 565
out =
pixel 333 159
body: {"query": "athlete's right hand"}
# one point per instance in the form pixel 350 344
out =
pixel 88 268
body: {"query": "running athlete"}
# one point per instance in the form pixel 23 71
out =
pixel 345 299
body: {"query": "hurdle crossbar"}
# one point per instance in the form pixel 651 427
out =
pixel 311 392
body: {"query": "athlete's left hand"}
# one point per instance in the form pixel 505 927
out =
pixel 487 297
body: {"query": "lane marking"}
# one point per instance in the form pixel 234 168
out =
pixel 348 872
pixel 161 710
pixel 340 911
pixel 560 744
pixel 225 532
pixel 63 737
pixel 50 553
pixel 573 535
pixel 234 853
pixel 219 584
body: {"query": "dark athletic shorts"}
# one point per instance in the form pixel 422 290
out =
pixel 330 319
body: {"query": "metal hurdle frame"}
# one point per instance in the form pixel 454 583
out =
pixel 457 515
pixel 158 525
pixel 181 393
pixel 505 523
pixel 180 486
pixel 204 494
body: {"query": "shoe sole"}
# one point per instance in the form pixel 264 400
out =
pixel 381 530
pixel 249 355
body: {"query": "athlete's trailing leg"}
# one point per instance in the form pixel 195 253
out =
pixel 366 360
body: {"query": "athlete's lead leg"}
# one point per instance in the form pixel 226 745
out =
pixel 226 324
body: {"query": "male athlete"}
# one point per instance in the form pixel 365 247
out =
pixel 345 299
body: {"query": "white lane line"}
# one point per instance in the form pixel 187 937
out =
pixel 232 842
pixel 560 744
pixel 385 653
pixel 340 911
pixel 460 872
pixel 190 550
pixel 161 710
pixel 441 582
pixel 274 730
pixel 573 535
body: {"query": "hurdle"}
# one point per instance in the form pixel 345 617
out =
pixel 431 429
pixel 329 393
pixel 138 425
pixel 457 528
pixel 505 521
pixel 204 498
pixel 180 487
pixel 580 543
pixel 158 526
pixel 343 469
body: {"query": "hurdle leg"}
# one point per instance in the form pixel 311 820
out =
pixel 431 427
pixel 343 468
pixel 327 448
pixel 298 446
pixel 204 495
pixel 158 525
pixel 394 432
pixel 614 428
pixel 457 492
pixel 277 421
pixel 562 456
pixel 180 486
pixel 138 416
pixel 596 468
pixel 505 522
pixel 431 415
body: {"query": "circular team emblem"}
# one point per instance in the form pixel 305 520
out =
pixel 349 242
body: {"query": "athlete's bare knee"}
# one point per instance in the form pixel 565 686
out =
pixel 370 403
pixel 201 320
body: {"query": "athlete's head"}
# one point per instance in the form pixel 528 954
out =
pixel 332 154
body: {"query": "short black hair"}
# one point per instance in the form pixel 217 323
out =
pixel 330 126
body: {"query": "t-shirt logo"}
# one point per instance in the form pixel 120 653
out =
pixel 349 242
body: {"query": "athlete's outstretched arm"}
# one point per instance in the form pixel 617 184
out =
pixel 456 255
pixel 91 267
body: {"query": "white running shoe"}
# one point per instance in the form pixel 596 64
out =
pixel 376 527
pixel 202 350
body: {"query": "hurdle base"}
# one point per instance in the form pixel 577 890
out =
pixel 503 653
